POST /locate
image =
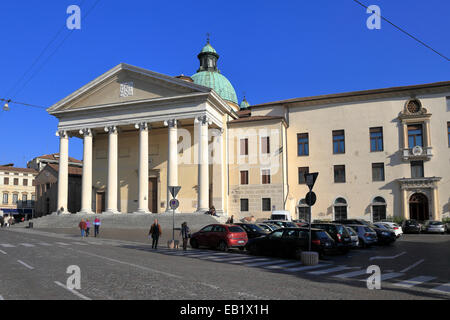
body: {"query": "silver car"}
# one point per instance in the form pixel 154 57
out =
pixel 435 227
pixel 353 236
pixel 366 235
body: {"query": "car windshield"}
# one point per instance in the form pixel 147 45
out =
pixel 321 235
pixel 367 229
pixel 290 225
pixel 235 229
pixel 341 230
pixel 434 223
pixel 382 226
pixel 254 227
pixel 411 223
pixel 351 231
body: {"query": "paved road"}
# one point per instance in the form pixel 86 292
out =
pixel 35 262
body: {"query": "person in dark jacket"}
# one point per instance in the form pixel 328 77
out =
pixel 155 232
pixel 185 234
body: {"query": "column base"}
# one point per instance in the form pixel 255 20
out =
pixel 142 211
pixel 86 212
pixel 110 212
pixel 61 213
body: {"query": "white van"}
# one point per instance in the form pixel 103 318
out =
pixel 281 215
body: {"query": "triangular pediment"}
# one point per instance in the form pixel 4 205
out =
pixel 126 83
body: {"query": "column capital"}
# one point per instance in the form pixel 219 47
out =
pixel 172 123
pixel 203 120
pixel 87 132
pixel 142 126
pixel 61 133
pixel 111 129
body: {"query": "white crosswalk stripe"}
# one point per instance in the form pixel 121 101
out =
pixel 45 244
pixel 330 270
pixel 62 243
pixel 80 243
pixel 260 264
pixel 351 274
pixel 253 260
pixel 414 281
pixel 387 276
pixel 304 268
pixel 29 245
pixel 284 265
pixel 445 288
pixel 7 245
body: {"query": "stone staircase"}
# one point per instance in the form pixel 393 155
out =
pixel 124 221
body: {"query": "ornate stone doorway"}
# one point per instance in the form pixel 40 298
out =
pixel 418 207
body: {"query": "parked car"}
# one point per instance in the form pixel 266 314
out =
pixel 291 242
pixel 366 235
pixel 339 234
pixel 282 224
pixel 301 223
pixel 268 226
pixel 391 226
pixel 385 236
pixel 435 227
pixel 281 215
pixel 221 236
pixel 353 236
pixel 252 230
pixel 411 226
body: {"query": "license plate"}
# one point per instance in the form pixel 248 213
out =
pixel 240 241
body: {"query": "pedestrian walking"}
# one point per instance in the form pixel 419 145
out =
pixel 97 224
pixel 185 234
pixel 155 233
pixel 88 227
pixel 82 226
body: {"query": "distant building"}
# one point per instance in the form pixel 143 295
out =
pixel 40 162
pixel 17 190
pixel 47 189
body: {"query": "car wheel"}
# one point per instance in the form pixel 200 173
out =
pixel 298 254
pixel 223 246
pixel 242 248
pixel 194 244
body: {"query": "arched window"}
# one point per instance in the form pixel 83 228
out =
pixel 340 209
pixel 378 209
pixel 303 210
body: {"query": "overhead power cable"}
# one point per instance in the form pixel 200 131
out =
pixel 406 32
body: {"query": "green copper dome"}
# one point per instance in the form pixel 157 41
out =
pixel 209 76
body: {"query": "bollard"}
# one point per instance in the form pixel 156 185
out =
pixel 309 258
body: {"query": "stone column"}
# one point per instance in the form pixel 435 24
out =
pixel 405 205
pixel 426 134
pixel 63 172
pixel 203 165
pixel 436 215
pixel 218 170
pixel 172 159
pixel 112 189
pixel 86 182
pixel 405 135
pixel 143 167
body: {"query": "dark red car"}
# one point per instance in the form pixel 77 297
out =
pixel 221 236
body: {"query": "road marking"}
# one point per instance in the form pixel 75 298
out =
pixel 391 257
pixel 62 243
pixel 445 288
pixel 390 275
pixel 73 291
pixel 414 281
pixel 306 268
pixel 351 274
pixel 254 260
pixel 227 259
pixel 45 244
pixel 284 265
pixel 80 243
pixel 330 270
pixel 259 264
pixel 3 252
pixel 7 245
pixel 26 265
pixel 29 245
pixel 413 265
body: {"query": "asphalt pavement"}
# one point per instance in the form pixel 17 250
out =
pixel 35 262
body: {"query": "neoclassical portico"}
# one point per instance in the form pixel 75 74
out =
pixel 154 113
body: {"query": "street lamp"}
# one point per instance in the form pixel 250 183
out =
pixel 6 106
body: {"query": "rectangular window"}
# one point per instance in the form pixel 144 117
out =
pixel 303 144
pixel 16 181
pixel 376 139
pixel 24 197
pixel 33 197
pixel 417 169
pixel 244 204
pixel 339 174
pixel 25 182
pixel 244 177
pixel 6 181
pixel 415 135
pixel 377 171
pixel 338 141
pixel 265 176
pixel 265 145
pixel 266 205
pixel 15 198
pixel 5 198
pixel 301 174
pixel 448 133
pixel 244 147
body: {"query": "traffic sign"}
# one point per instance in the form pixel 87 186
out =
pixel 174 203
pixel 174 190
pixel 310 198
pixel 311 179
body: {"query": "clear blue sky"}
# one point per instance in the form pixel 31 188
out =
pixel 271 50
